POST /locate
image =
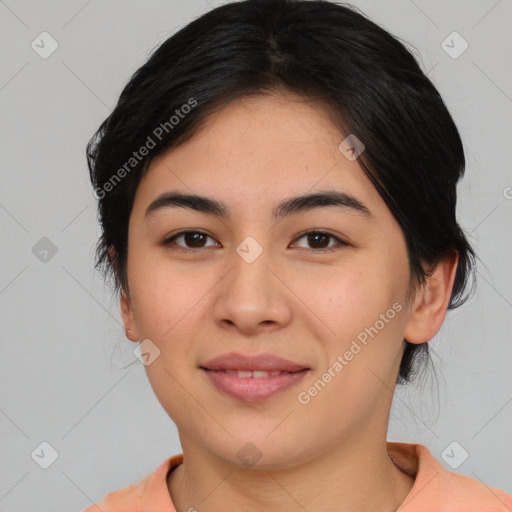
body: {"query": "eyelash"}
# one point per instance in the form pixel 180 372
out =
pixel 341 243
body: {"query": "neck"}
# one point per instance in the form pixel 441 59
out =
pixel 355 476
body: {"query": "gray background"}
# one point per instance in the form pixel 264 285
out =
pixel 65 368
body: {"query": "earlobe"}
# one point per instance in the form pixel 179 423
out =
pixel 126 304
pixel 431 302
pixel 128 318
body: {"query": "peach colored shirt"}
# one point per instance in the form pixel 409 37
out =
pixel 436 489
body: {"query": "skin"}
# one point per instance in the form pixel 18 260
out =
pixel 294 301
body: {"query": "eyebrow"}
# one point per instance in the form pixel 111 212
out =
pixel 285 208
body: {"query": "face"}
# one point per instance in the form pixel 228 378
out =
pixel 261 281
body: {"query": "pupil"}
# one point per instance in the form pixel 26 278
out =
pixel 193 238
pixel 318 235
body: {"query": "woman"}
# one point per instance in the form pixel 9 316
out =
pixel 277 193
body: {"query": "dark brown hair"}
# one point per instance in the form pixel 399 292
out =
pixel 370 82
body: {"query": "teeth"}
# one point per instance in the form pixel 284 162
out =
pixel 257 374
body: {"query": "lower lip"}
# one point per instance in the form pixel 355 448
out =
pixel 253 389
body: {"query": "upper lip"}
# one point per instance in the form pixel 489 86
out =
pixel 262 362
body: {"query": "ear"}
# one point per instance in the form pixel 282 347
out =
pixel 126 305
pixel 431 302
pixel 128 318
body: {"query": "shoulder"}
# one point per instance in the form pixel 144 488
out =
pixel 437 489
pixel 473 494
pixel 128 499
pixel 151 491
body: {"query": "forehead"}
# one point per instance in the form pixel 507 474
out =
pixel 257 151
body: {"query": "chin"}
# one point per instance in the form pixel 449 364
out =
pixel 258 452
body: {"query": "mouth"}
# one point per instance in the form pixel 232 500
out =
pixel 252 363
pixel 253 378
pixel 256 374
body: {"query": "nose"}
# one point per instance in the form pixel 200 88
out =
pixel 252 297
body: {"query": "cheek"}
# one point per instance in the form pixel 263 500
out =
pixel 364 312
pixel 165 295
pixel 346 300
pixel 164 308
pixel 360 309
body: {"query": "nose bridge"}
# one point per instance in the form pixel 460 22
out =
pixel 251 294
pixel 251 273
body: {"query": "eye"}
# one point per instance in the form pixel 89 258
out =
pixel 194 240
pixel 320 240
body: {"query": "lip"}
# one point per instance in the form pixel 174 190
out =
pixel 264 362
pixel 253 389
